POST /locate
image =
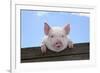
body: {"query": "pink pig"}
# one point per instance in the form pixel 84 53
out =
pixel 56 38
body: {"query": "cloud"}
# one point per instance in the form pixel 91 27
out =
pixel 40 13
pixel 81 14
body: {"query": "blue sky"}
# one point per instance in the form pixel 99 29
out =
pixel 32 26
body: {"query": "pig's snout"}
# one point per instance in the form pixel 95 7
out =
pixel 58 44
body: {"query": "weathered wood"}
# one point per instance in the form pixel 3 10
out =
pixel 59 58
pixel 33 54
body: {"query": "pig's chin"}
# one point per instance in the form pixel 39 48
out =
pixel 57 48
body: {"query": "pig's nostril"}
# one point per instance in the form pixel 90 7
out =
pixel 57 43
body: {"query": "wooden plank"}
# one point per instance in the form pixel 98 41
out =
pixel 59 58
pixel 33 54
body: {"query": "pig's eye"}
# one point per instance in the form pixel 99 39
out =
pixel 51 36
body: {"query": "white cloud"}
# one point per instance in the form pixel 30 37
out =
pixel 40 13
pixel 81 14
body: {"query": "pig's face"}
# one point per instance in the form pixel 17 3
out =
pixel 57 39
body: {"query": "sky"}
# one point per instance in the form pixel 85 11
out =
pixel 32 26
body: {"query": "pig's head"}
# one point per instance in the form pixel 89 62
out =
pixel 56 37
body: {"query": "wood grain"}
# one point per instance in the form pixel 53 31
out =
pixel 34 54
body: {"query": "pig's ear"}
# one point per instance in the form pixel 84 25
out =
pixel 67 28
pixel 46 28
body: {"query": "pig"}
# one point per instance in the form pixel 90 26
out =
pixel 56 38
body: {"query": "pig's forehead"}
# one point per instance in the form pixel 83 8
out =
pixel 57 30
